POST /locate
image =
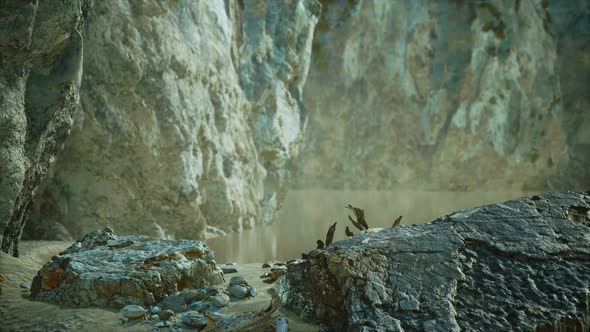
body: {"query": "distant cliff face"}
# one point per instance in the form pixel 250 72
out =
pixel 40 71
pixel 449 95
pixel 191 114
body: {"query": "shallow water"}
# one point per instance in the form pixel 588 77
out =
pixel 307 214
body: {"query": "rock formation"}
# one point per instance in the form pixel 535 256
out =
pixel 191 114
pixel 40 73
pixel 522 265
pixel 449 95
pixel 109 270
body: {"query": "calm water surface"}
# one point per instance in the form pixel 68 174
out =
pixel 307 214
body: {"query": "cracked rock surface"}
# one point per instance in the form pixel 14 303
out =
pixel 109 270
pixel 521 265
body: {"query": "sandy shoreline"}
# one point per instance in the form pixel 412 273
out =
pixel 18 313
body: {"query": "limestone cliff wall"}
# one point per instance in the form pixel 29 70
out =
pixel 191 114
pixel 449 95
pixel 40 71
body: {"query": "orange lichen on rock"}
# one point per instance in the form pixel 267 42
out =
pixel 51 277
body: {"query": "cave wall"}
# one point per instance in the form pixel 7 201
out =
pixel 449 95
pixel 190 116
pixel 40 71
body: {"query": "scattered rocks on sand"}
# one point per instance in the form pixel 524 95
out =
pixel 109 270
pixel 520 265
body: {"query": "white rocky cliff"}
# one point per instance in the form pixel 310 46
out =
pixel 449 95
pixel 191 115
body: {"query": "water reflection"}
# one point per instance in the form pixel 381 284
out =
pixel 307 214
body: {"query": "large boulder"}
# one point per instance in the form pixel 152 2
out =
pixel 109 270
pixel 40 73
pixel 443 94
pixel 522 265
pixel 191 114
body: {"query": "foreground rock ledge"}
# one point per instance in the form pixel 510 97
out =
pixel 106 270
pixel 522 265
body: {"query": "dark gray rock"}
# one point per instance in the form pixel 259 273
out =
pixel 521 265
pixel 221 300
pixel 106 270
pixel 234 281
pixel 228 270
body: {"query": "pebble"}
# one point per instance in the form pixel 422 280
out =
pixel 265 275
pixel 165 314
pixel 221 300
pixel 155 310
pixel 252 291
pixel 25 286
pixel 228 270
pixel 133 311
pixel 238 291
pixel 162 324
pixel 237 281
pixel 194 319
pixel 154 317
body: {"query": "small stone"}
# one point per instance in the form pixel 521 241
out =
pixel 213 290
pixel 162 324
pixel 221 300
pixel 155 310
pixel 194 319
pixel 265 275
pixel 165 314
pixel 25 286
pixel 228 270
pixel 231 263
pixel 133 311
pixel 238 291
pixel 154 317
pixel 237 281
pixel 266 265
pixel 252 291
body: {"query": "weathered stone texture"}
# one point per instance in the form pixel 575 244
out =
pixel 40 73
pixel 522 265
pixel 449 95
pixel 191 113
pixel 109 270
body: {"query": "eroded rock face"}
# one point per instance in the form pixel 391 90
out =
pixel 191 116
pixel 520 265
pixel 40 73
pixel 449 95
pixel 109 270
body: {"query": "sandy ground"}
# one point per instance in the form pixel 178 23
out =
pixel 18 313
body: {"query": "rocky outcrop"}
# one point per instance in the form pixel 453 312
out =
pixel 109 270
pixel 449 95
pixel 191 114
pixel 40 73
pixel 522 265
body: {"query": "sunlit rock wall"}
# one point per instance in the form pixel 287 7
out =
pixel 40 72
pixel 449 95
pixel 191 114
